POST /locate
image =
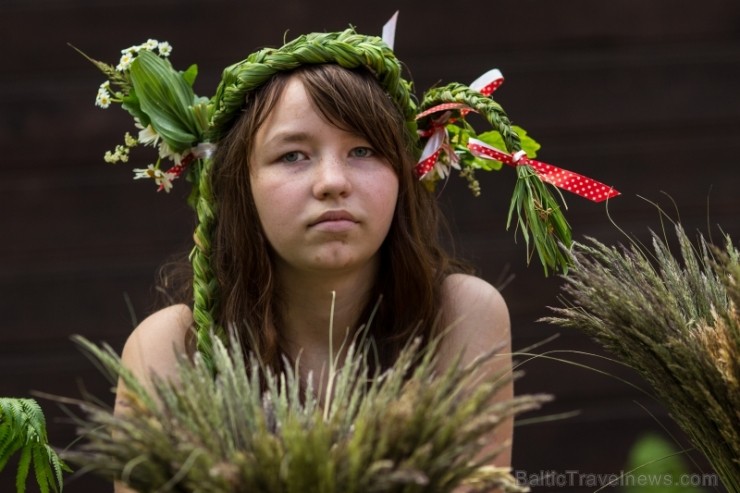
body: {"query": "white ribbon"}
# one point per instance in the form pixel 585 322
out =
pixel 389 30
pixel 204 150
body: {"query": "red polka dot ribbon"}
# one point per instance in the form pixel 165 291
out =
pixel 201 151
pixel 488 82
pixel 561 178
pixel 437 134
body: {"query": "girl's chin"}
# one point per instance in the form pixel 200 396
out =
pixel 334 260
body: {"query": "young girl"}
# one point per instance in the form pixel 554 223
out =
pixel 311 210
pixel 316 195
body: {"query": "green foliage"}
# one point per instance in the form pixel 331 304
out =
pixel 534 208
pixel 654 458
pixel 528 144
pixel 674 319
pixel 166 97
pixel 249 429
pixel 23 430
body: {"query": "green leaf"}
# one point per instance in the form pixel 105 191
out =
pixel 8 449
pixel 23 427
pixel 42 468
pixel 22 474
pixel 190 74
pixel 529 145
pixel 34 417
pixel 131 104
pixel 485 164
pixel 167 98
pixel 654 457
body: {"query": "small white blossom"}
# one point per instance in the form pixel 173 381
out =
pixel 122 153
pixel 165 183
pixel 166 152
pixel 165 49
pixel 129 140
pixel 147 136
pixel 103 99
pixel 125 62
pixel 151 44
pixel 148 172
pixel 162 179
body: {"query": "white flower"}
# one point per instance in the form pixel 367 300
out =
pixel 166 152
pixel 448 160
pixel 122 153
pixel 162 179
pixel 151 44
pixel 148 172
pixel 147 136
pixel 165 182
pixel 165 49
pixel 129 140
pixel 125 62
pixel 103 98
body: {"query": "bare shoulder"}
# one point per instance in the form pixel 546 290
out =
pixel 154 344
pixel 468 299
pixel 475 314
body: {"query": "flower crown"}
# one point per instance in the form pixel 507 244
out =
pixel 186 128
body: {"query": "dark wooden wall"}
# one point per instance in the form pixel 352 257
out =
pixel 639 94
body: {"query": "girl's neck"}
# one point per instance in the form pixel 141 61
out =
pixel 306 300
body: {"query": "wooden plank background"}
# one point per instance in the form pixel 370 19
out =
pixel 641 95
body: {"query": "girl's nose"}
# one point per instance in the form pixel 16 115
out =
pixel 332 178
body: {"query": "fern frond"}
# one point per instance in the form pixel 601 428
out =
pixel 23 428
pixel 22 474
pixel 58 467
pixel 10 436
pixel 41 468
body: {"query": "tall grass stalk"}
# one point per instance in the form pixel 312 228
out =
pixel 674 318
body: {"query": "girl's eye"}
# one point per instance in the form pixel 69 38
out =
pixel 293 157
pixel 362 152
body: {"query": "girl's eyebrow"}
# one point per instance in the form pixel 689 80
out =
pixel 288 137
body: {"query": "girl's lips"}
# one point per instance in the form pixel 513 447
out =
pixel 333 216
pixel 334 222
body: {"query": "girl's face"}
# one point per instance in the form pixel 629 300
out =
pixel 324 197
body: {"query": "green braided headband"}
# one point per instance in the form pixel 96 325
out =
pixel 185 128
pixel 347 49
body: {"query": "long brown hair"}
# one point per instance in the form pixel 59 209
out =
pixel 413 264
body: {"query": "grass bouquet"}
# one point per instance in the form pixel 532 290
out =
pixel 673 318
pixel 248 429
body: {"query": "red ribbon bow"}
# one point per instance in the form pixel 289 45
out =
pixel 437 143
pixel 567 180
pixel 486 84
